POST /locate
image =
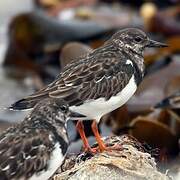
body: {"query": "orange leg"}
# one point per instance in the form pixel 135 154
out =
pixel 80 128
pixel 102 146
pixel 100 142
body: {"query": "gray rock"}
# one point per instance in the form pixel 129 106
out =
pixel 130 162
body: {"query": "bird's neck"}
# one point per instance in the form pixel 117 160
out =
pixel 138 63
pixel 139 60
pixel 134 54
pixel 136 58
pixel 50 121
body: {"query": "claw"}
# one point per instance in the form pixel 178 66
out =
pixel 92 150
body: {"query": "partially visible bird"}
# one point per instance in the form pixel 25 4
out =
pixel 172 102
pixel 36 147
pixel 100 81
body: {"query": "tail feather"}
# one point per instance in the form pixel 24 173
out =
pixel 30 101
pixel 23 104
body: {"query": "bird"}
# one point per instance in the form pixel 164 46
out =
pixel 172 101
pixel 99 81
pixel 36 147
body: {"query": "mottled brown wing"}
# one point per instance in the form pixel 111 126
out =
pixel 101 77
pixel 24 154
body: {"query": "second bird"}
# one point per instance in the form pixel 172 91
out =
pixel 99 82
pixel 36 147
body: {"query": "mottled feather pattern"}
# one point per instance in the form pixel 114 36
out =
pixel 26 148
pixel 91 78
pixel 25 153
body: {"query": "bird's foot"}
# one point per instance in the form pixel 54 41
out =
pixel 116 147
pixel 90 150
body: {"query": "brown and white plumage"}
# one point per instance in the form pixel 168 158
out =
pixel 36 147
pixel 100 81
pixel 101 73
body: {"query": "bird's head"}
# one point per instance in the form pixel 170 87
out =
pixel 135 40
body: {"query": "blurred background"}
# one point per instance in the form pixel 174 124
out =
pixel 39 37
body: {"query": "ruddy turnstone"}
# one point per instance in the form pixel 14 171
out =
pixel 35 148
pixel 100 81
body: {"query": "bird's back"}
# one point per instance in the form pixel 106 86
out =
pixel 91 71
pixel 34 148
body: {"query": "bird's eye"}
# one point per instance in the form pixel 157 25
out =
pixel 138 39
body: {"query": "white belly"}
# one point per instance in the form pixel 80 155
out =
pixel 54 163
pixel 95 109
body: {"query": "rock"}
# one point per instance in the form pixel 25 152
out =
pixel 157 134
pixel 132 161
pixel 72 51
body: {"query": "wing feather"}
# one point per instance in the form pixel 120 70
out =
pixel 24 157
pixel 96 76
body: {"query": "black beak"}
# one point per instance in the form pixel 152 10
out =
pixel 152 43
